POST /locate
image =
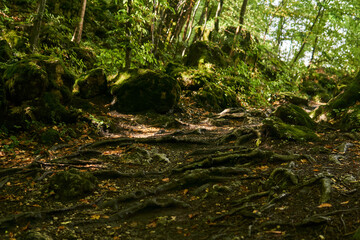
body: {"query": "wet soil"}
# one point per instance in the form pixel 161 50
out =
pixel 188 175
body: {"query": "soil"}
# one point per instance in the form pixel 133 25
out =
pixel 191 174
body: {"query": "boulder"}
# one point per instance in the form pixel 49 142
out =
pixel 292 114
pixel 3 102
pixel 275 127
pixel 213 96
pixel 71 184
pixel 30 78
pixel 92 84
pixel 202 52
pixel 350 119
pixel 144 90
pixel 5 51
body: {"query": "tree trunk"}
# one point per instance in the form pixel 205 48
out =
pixel 79 29
pixel 192 21
pixel 203 18
pixel 128 34
pixel 35 32
pixel 188 16
pixel 319 14
pixel 241 23
pixel 242 12
pixel 217 16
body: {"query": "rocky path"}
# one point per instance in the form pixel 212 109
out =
pixel 220 178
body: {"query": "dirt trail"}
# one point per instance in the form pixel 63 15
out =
pixel 217 177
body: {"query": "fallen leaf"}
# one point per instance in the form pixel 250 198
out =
pixel 324 205
pixel 95 217
pixel 344 203
pixel 185 191
pixel 152 225
pixel 165 179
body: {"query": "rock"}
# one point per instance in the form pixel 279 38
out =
pixel 5 51
pixel 25 80
pixel 202 52
pixel 50 136
pixel 146 90
pixel 350 119
pixel 48 109
pixel 92 84
pixel 216 97
pixel 292 114
pixel 292 98
pixel 31 77
pixel 3 101
pixel 277 128
pixel 71 184
pixel 34 235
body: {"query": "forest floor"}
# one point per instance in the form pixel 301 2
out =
pixel 187 175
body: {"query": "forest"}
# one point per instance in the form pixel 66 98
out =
pixel 189 119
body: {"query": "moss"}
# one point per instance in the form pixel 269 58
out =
pixel 71 184
pixel 202 52
pixel 25 80
pixel 5 51
pixel 92 84
pixel 350 120
pixel 194 79
pixel 216 97
pixel 50 110
pixel 146 90
pixel 292 114
pixel 50 136
pixel 275 127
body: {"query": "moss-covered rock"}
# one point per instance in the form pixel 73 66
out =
pixel 25 80
pixel 275 127
pixel 216 97
pixel 3 101
pixel 205 52
pixel 5 51
pixel 194 79
pixel 350 120
pixel 49 109
pixel 320 84
pixel 92 84
pixel 50 136
pixel 348 97
pixel 292 114
pixel 71 184
pixel 30 78
pixel 146 90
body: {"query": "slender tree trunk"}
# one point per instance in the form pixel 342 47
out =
pixel 188 17
pixel 203 18
pixel 128 34
pixel 313 51
pixel 35 32
pixel 192 21
pixel 153 23
pixel 279 32
pixel 217 16
pixel 241 23
pixel 319 14
pixel 79 29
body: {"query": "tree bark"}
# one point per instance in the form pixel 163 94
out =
pixel 217 16
pixel 35 33
pixel 241 23
pixel 319 15
pixel 188 16
pixel 128 34
pixel 79 29
pixel 192 21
